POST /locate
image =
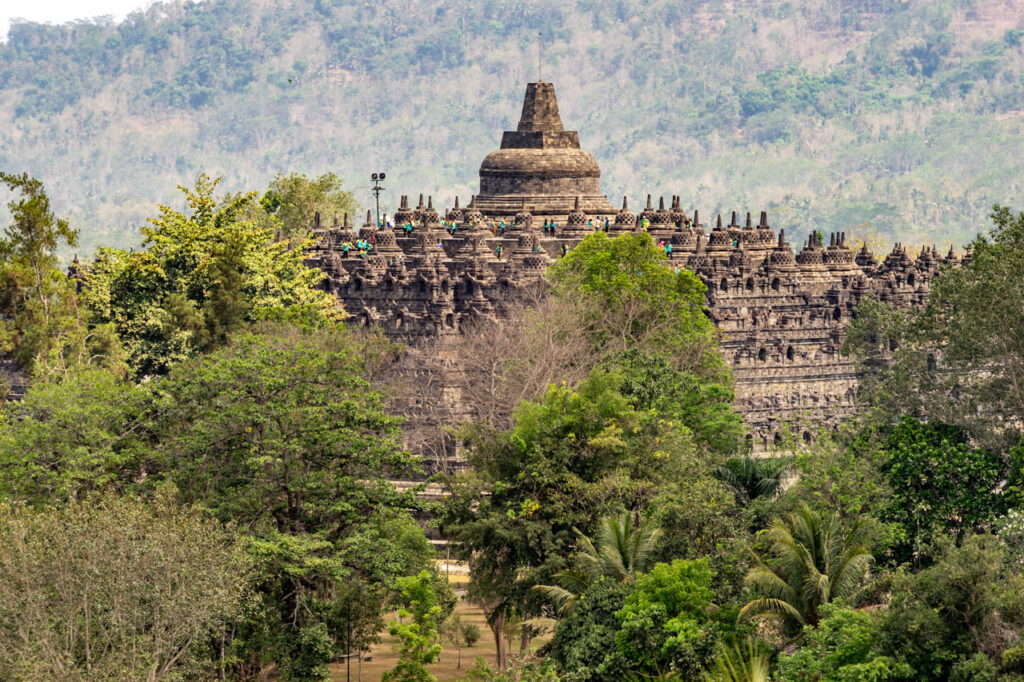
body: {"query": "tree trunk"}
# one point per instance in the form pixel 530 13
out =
pixel 497 626
pixel 525 635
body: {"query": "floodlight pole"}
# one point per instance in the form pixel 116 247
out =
pixel 377 189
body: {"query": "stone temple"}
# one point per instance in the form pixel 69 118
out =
pixel 540 168
pixel 781 315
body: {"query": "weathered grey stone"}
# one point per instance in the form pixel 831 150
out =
pixel 782 318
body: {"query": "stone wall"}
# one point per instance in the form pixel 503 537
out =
pixel 782 315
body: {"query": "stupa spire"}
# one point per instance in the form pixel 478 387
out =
pixel 540 109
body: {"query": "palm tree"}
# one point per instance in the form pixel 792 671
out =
pixel 752 477
pixel 624 547
pixel 816 561
pixel 747 664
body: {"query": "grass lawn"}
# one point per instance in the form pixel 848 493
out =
pixel 384 658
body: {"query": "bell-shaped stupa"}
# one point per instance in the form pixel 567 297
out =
pixel 541 165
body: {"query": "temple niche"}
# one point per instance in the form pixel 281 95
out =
pixel 782 315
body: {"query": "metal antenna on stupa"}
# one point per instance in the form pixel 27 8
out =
pixel 540 57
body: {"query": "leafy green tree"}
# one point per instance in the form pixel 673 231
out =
pixel 959 361
pixel 966 603
pixel 977 668
pixel 656 404
pixel 842 474
pixel 418 636
pixel 702 404
pixel 90 433
pixel 44 325
pixel 199 276
pixel 631 298
pixel 665 625
pixel 111 588
pixel 570 457
pixel 939 483
pixel 624 547
pixel 460 634
pixel 585 636
pixel 844 645
pixel 276 427
pixel 528 671
pixel 289 204
pixel 280 432
pixel 816 562
pixel 701 519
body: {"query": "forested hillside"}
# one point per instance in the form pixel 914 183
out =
pixel 901 119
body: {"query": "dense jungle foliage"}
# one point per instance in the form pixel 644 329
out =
pixel 200 482
pixel 890 119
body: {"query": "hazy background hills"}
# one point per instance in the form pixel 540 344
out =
pixel 897 119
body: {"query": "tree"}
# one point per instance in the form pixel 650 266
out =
pixel 844 645
pixel 752 477
pixel 739 664
pixel 87 434
pixel 669 362
pixel 78 601
pixel 419 646
pixel 280 432
pixel 631 298
pixel 459 634
pixel 585 635
pixel 199 276
pixel 961 360
pixel 816 561
pixel 841 473
pixel 609 445
pixel 44 326
pixel 279 425
pixel 940 484
pixel 289 204
pixel 624 548
pixel 703 404
pixel 570 457
pixel 665 625
pixel 966 603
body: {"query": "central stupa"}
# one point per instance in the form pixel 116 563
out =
pixel 540 166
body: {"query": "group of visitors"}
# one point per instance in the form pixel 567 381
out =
pixel 361 246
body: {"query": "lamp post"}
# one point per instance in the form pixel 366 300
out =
pixel 376 189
